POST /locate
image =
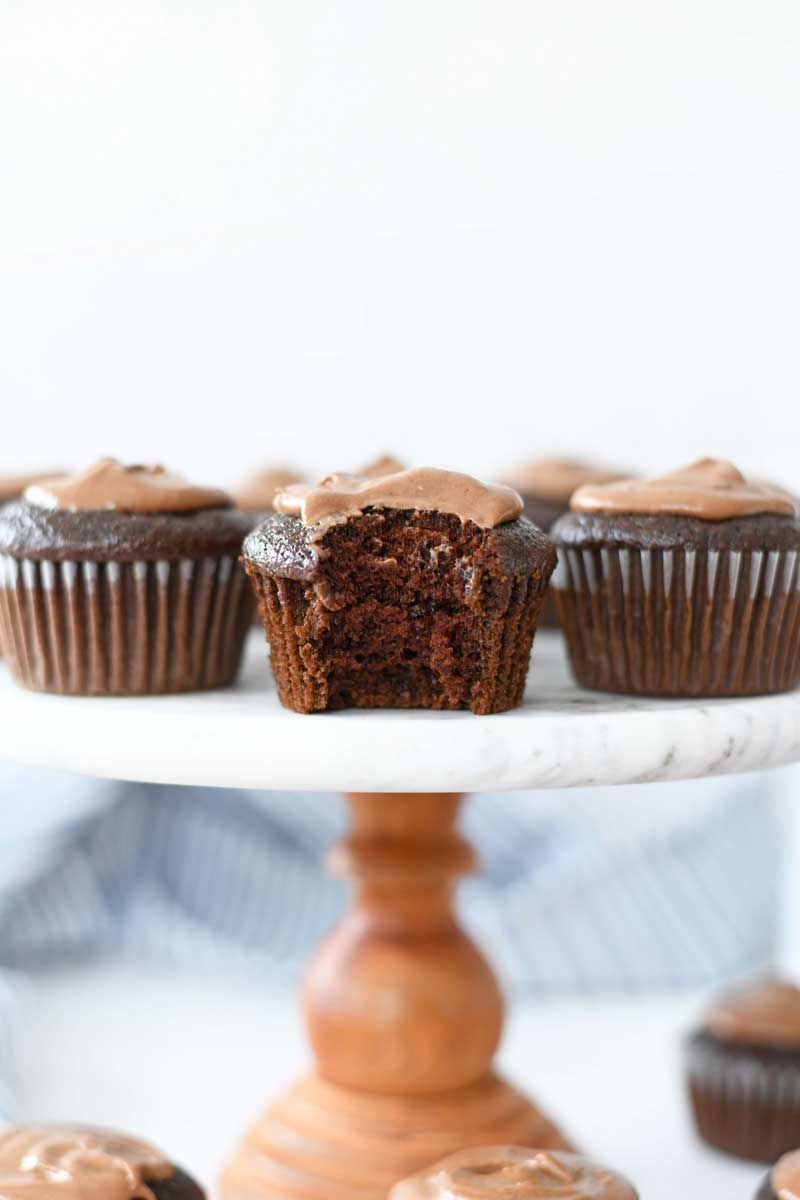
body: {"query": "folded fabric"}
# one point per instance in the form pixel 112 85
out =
pixel 579 891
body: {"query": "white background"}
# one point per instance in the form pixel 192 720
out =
pixel 465 230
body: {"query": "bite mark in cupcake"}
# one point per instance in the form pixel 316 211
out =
pixel 417 589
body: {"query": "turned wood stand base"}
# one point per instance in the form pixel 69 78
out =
pixel 404 1016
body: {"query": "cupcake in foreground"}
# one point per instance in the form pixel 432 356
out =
pixel 122 581
pixel 744 1072
pixel 515 1173
pixel 415 590
pixel 682 585
pixel 783 1181
pixel 74 1162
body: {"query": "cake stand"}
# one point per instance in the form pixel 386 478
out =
pixel 403 1012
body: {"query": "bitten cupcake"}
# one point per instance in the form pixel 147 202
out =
pixel 515 1173
pixel 783 1181
pixel 420 589
pixel 682 585
pixel 122 581
pixel 744 1071
pixel 74 1162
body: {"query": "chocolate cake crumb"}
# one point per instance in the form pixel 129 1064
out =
pixel 398 608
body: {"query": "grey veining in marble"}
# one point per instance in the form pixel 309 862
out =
pixel 562 736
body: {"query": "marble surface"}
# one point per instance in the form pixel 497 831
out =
pixel 218 1047
pixel 562 736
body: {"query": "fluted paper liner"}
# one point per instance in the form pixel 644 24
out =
pixel 108 628
pixel 742 1105
pixel 299 670
pixel 681 622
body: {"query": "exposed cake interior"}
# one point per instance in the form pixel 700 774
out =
pixel 412 609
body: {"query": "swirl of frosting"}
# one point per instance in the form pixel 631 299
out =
pixel 109 484
pixel 338 497
pixel 515 1173
pixel 69 1162
pixel 555 479
pixel 710 489
pixel 765 1013
pixel 785 1177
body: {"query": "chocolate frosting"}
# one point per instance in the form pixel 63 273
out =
pixel 427 489
pixel 384 464
pixel 12 486
pixel 109 485
pixel 765 1013
pixel 70 1162
pixel 515 1173
pixel 257 494
pixel 555 479
pixel 710 489
pixel 785 1177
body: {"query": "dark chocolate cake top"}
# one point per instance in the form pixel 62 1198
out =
pixel 710 489
pixel 424 489
pixel 110 485
pixel 764 1013
pixel 72 1162
pixel 515 1173
pixel 555 479
pixel 785 1176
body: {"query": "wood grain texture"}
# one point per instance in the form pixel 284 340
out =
pixel 404 1016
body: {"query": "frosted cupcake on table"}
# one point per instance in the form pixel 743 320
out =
pixel 122 580
pixel 686 584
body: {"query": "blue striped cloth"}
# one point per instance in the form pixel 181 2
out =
pixel 580 891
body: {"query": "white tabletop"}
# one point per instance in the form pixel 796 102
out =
pixel 215 1050
pixel 562 736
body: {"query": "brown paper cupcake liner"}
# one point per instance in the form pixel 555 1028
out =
pixel 681 622
pixel 299 668
pixel 108 628
pixel 744 1106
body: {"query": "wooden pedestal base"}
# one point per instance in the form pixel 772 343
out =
pixel 404 1016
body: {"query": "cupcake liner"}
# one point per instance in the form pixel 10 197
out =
pixel 109 628
pixel 681 622
pixel 300 670
pixel 743 1104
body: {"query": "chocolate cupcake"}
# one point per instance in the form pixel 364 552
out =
pixel 684 585
pixel 546 485
pixel 783 1181
pixel 415 590
pixel 515 1173
pixel 256 495
pixel 744 1072
pixel 73 1162
pixel 122 581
